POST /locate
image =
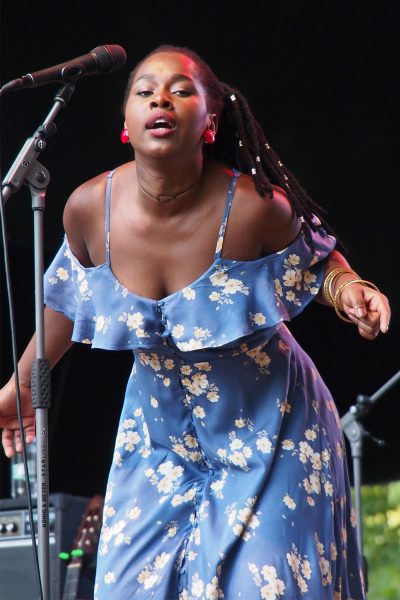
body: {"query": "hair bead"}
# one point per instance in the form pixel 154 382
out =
pixel 232 97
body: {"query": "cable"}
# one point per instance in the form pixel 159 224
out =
pixel 15 364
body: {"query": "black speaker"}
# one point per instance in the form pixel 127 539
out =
pixel 17 568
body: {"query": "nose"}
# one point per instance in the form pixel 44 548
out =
pixel 161 100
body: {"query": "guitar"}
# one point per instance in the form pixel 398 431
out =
pixel 83 555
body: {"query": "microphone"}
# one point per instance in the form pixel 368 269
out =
pixel 103 59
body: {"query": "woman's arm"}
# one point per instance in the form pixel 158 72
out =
pixel 58 331
pixel 83 214
pixel 365 307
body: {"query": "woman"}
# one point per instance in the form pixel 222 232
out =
pixel 229 475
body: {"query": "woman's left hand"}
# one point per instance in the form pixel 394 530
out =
pixel 367 308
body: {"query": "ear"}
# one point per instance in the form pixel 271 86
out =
pixel 125 127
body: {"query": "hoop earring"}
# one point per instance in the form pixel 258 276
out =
pixel 124 136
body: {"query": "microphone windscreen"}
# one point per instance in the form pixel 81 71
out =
pixel 109 58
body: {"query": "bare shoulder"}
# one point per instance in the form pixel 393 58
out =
pixel 264 207
pixel 272 217
pixel 84 200
pixel 83 209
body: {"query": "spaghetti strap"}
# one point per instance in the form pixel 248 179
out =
pixel 222 229
pixel 107 214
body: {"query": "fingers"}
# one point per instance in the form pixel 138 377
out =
pixel 385 314
pixel 366 329
pixel 8 442
pixel 353 301
pixel 12 440
pixel 368 309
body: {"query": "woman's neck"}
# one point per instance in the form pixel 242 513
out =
pixel 164 183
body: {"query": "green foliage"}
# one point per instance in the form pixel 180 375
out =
pixel 381 529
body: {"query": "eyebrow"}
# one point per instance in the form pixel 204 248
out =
pixel 176 77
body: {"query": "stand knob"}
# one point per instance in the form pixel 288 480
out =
pixel 11 527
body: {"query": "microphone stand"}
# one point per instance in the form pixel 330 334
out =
pixel 356 433
pixel 27 169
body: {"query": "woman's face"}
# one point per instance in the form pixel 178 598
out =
pixel 166 112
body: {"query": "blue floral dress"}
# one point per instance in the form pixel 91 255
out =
pixel 229 474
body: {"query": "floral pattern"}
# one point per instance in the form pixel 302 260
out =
pixel 228 478
pixel 271 587
pixel 226 286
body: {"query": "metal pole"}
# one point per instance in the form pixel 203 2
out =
pixel 38 207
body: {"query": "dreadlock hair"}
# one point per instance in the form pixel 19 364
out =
pixel 241 143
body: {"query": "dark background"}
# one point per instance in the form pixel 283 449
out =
pixel 322 79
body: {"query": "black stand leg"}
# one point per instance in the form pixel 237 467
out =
pixel 355 433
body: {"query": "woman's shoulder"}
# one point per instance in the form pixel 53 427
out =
pixel 247 194
pixel 84 215
pixel 272 215
pixel 89 197
pixel 271 218
pixel 86 196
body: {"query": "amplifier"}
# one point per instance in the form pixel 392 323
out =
pixel 17 568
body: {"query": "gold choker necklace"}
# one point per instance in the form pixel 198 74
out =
pixel 164 198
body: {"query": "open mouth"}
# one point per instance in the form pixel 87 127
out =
pixel 161 123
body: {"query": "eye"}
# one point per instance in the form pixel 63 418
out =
pixel 144 93
pixel 183 93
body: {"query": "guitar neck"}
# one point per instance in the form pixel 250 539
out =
pixel 72 579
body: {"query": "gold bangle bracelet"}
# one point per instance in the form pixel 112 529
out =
pixel 328 281
pixel 350 272
pixel 330 278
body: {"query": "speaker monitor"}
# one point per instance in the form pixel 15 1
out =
pixel 17 568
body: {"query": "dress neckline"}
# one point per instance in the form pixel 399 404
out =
pixel 217 261
pixel 218 248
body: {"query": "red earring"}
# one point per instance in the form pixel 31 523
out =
pixel 125 136
pixel 209 136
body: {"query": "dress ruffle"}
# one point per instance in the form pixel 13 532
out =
pixel 269 290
